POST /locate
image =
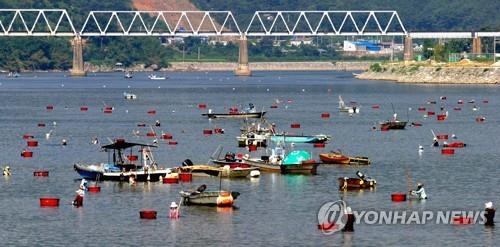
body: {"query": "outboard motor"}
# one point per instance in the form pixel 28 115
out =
pixel 361 175
pixel 202 188
pixel 187 162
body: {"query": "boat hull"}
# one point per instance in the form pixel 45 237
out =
pixel 235 115
pixel 207 198
pixel 394 125
pixel 355 183
pixel 300 139
pixel 304 168
pixel 331 158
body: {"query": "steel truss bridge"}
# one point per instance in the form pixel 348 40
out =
pixel 57 22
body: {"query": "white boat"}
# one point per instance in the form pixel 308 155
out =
pixel 129 96
pixel 128 75
pixel 155 77
pixel 348 109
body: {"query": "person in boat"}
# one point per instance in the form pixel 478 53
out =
pixel 435 142
pixel 230 157
pixel 251 108
pixel 6 171
pixel 489 214
pixel 419 192
pixel 174 211
pixel 395 117
pixel 349 225
pixel 157 123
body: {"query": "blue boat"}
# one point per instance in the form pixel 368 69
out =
pixel 300 138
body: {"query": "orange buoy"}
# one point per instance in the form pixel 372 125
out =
pixel 151 134
pixel 207 131
pixel 319 145
pixel 398 197
pixel 132 157
pixel 442 136
pixel 49 202
pixel 431 113
pixel 225 199
pixel 325 115
pixel 152 112
pixel 202 106
pixel 26 154
pixel 41 124
pixel 148 214
pixel 172 143
pixel 41 173
pixel 447 151
pixel 94 189
pixel 32 143
pixel 375 106
pixel 462 220
pixel 185 177
pixel 84 108
pixel 295 126
pixel 172 180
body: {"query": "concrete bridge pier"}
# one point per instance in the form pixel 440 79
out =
pixel 243 68
pixel 408 49
pixel 476 45
pixel 78 66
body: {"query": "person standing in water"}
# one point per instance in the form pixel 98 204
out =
pixel 489 214
pixel 419 192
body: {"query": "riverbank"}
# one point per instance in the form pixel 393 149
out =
pixel 451 73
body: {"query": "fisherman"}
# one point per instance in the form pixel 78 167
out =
pixel 64 142
pixel 349 225
pixel 78 202
pixel 6 171
pixel 174 211
pixel 489 214
pixel 420 192
pixel 435 142
pixel 95 141
pixel 157 123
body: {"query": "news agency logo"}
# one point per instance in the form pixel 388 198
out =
pixel 332 217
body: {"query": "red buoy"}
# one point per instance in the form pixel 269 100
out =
pixel 319 145
pixel 447 151
pixel 41 173
pixel 152 112
pixel 442 136
pixel 218 131
pixel 172 143
pixel 457 109
pixel 108 111
pixel 41 124
pixel 460 102
pixel 421 109
pixel 480 119
pixel 327 226
pixel 173 180
pixel 295 126
pixel 274 106
pixel 32 143
pixel 132 157
pixel 431 113
pixel 462 220
pixel 49 202
pixel 485 101
pixel 148 214
pixel 207 131
pixel 398 197
pixel 94 189
pixel 166 136
pixel 50 107
pixel 151 134
pixel 325 115
pixel 185 177
pixel 26 154
pixel 375 106
pixel 84 108
pixel 202 106
pixel 441 117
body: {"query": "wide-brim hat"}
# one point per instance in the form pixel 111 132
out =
pixel 173 205
pixel 488 205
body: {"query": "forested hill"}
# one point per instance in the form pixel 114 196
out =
pixel 417 15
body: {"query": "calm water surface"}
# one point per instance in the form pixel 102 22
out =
pixel 273 209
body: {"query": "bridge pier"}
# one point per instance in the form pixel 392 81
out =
pixel 408 49
pixel 243 68
pixel 476 45
pixel 78 66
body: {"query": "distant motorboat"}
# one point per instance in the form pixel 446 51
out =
pixel 300 138
pixel 348 109
pixel 129 75
pixel 13 75
pixel 129 96
pixel 156 77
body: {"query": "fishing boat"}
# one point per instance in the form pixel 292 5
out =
pixel 13 74
pixel 156 77
pixel 209 198
pixel 393 124
pixel 296 162
pixel 301 138
pixel 128 75
pixel 349 109
pixel 121 167
pixel 129 96
pixel 361 182
pixel 250 112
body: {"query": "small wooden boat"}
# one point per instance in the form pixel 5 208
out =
pixel 393 125
pixel 209 198
pixel 361 182
pixel 359 160
pixel 334 158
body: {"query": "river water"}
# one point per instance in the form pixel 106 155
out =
pixel 273 209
